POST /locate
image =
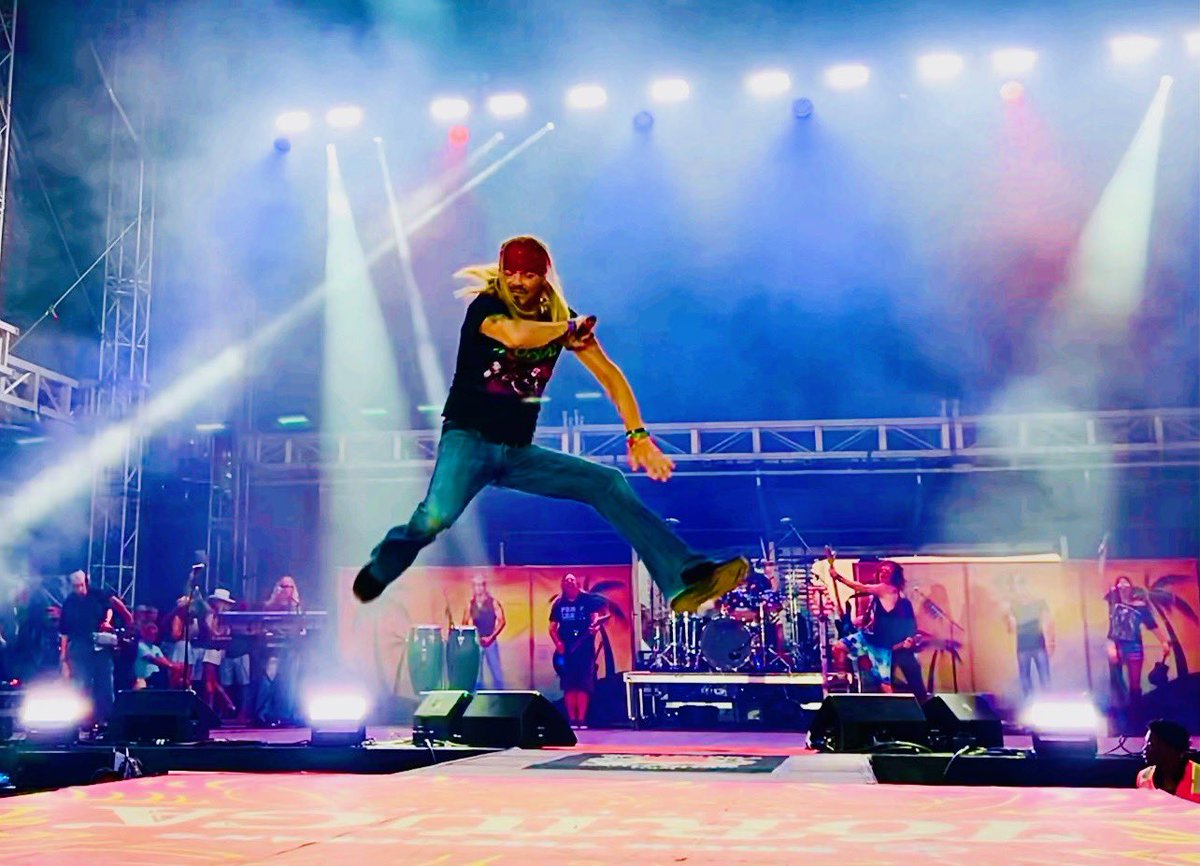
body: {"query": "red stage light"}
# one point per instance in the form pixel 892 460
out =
pixel 459 135
pixel 1011 91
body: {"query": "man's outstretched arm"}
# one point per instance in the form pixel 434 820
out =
pixel 643 453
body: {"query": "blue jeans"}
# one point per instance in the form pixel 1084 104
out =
pixel 467 462
pixel 1026 661
pixel 489 657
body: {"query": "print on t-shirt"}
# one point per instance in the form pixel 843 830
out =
pixel 523 372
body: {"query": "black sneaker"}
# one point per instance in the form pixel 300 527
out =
pixel 709 581
pixel 366 586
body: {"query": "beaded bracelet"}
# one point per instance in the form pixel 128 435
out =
pixel 636 434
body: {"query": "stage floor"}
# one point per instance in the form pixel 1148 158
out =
pixel 501 808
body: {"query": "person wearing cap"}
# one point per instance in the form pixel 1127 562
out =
pixel 516 326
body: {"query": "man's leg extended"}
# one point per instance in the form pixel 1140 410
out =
pixel 669 560
pixel 465 464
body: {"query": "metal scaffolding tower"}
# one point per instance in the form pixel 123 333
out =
pixel 8 38
pixel 124 341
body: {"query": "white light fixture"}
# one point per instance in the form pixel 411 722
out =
pixel 847 76
pixel 941 66
pixel 1063 726
pixel 586 96
pixel 670 90
pixel 292 122
pixel 507 105
pixel 1132 49
pixel 1192 41
pixel 210 427
pixel 336 715
pixel 1013 61
pixel 449 109
pixel 53 712
pixel 343 117
pixel 768 83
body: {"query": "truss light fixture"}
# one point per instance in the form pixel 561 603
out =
pixel 299 419
pixel 506 105
pixel 1192 41
pixel 587 97
pixel 670 90
pixel 1133 48
pixel 768 83
pixel 293 122
pixel 848 76
pixel 449 109
pixel 940 66
pixel 210 427
pixel 344 117
pixel 1010 62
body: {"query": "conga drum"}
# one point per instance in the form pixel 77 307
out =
pixel 425 654
pixel 462 658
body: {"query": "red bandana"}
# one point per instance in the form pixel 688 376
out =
pixel 524 255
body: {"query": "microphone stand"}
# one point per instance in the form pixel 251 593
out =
pixel 938 613
pixel 187 627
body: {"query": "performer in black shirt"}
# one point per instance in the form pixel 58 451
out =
pixel 85 654
pixel 515 329
pixel 574 618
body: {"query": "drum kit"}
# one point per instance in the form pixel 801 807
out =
pixel 759 627
pixel 439 660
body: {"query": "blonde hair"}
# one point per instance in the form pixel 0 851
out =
pixel 489 280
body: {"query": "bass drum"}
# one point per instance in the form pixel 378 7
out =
pixel 425 658
pixel 462 658
pixel 725 644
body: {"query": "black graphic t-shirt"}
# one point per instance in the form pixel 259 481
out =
pixel 1125 620
pixel 497 390
pixel 574 618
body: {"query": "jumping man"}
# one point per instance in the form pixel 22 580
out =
pixel 515 329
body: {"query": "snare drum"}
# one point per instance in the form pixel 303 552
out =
pixel 425 655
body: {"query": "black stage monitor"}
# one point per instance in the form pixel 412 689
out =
pixel 524 720
pixel 439 717
pixel 961 719
pixel 169 715
pixel 858 723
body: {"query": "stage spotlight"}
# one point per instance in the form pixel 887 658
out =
pixel 768 84
pixel 670 90
pixel 292 122
pixel 847 76
pixel 1013 61
pixel 1012 91
pixel 210 427
pixel 802 108
pixel 459 135
pixel 643 121
pixel 52 712
pixel 1132 49
pixel 343 117
pixel 297 420
pixel 448 109
pixel 336 716
pixel 940 67
pixel 1192 41
pixel 586 96
pixel 507 105
pixel 1063 726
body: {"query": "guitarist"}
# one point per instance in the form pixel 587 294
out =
pixel 574 619
pixel 890 627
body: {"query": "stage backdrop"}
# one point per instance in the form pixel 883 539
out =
pixel 961 606
pixel 374 637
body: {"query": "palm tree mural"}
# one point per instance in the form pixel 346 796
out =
pixel 1165 601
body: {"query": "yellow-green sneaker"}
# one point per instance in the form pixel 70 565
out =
pixel 707 582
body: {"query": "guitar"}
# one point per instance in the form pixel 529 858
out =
pixel 560 659
pixel 844 624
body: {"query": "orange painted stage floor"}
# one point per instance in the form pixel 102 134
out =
pixel 499 808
